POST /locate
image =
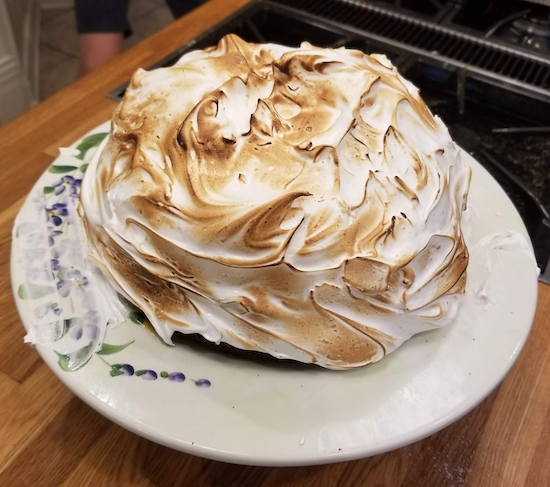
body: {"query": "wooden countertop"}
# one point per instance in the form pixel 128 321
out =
pixel 50 438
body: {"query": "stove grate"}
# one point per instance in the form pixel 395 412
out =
pixel 434 40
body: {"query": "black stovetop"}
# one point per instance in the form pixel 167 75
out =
pixel 470 69
pixel 518 23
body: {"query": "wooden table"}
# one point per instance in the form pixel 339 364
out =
pixel 50 438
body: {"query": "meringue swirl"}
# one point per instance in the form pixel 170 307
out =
pixel 302 202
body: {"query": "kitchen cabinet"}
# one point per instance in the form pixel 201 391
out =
pixel 19 56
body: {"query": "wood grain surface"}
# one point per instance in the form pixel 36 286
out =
pixel 50 438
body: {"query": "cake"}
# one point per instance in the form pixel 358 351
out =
pixel 301 202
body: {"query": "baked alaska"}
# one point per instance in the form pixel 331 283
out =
pixel 301 202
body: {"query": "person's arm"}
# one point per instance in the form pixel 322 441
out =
pixel 97 49
pixel 101 26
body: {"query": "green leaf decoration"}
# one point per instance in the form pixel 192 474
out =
pixel 61 169
pixel 83 167
pixel 66 328
pixel 28 290
pixel 108 349
pixel 138 317
pixel 88 143
pixel 73 361
pixel 116 370
pixel 58 329
pixel 164 374
pixel 140 372
pixel 48 190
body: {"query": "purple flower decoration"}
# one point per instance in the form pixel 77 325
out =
pixel 72 280
pixel 56 212
pixel 147 374
pixel 52 234
pixel 54 264
pixel 121 369
pixel 67 182
pixel 91 321
pixel 176 377
pixel 173 376
pixel 203 383
pixel 87 325
pixel 91 331
pixel 43 310
pixel 77 330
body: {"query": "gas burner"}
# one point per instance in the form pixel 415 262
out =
pixel 523 24
pixel 532 26
pixel 531 31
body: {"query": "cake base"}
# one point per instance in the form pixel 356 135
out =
pixel 199 343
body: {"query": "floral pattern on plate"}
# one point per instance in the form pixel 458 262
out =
pixel 58 280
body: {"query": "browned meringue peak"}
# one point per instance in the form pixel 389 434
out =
pixel 296 201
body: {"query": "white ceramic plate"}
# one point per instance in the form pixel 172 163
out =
pixel 255 413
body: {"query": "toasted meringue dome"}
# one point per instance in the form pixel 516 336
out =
pixel 301 202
